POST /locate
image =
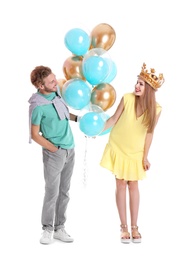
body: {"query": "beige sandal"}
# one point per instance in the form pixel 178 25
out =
pixel 136 236
pixel 125 235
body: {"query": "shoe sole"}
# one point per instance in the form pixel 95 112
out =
pixel 46 243
pixel 136 240
pixel 65 241
pixel 125 241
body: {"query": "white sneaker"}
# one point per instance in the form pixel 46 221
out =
pixel 46 237
pixel 62 235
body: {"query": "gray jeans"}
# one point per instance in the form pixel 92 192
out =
pixel 58 169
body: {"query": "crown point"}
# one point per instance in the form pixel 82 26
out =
pixel 154 81
pixel 152 70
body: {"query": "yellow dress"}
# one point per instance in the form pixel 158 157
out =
pixel 124 151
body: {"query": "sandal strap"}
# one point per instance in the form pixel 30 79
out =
pixel 125 235
pixel 123 226
pixel 134 227
pixel 135 232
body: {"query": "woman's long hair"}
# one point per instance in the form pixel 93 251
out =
pixel 149 107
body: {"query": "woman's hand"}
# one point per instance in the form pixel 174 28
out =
pixel 146 165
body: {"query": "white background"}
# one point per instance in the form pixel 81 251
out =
pixel 32 33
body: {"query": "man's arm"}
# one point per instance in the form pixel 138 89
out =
pixel 39 139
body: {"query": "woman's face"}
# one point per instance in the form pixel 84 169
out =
pixel 139 87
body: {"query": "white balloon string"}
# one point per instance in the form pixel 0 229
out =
pixel 85 168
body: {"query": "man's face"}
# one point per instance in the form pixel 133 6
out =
pixel 50 84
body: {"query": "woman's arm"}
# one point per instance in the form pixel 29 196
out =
pixel 148 142
pixel 113 119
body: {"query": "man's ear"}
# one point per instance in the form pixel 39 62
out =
pixel 40 86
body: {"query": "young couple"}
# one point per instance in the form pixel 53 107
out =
pixel 125 154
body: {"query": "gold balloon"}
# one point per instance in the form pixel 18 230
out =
pixel 61 83
pixel 103 95
pixel 72 67
pixel 102 36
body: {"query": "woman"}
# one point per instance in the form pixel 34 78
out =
pixel 126 153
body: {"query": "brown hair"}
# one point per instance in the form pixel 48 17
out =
pixel 38 74
pixel 149 107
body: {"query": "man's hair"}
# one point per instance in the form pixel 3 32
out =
pixel 38 74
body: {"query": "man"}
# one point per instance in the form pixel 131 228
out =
pixel 49 127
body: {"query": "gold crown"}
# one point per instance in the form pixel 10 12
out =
pixel 149 77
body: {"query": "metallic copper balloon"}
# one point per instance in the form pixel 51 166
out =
pixel 61 83
pixel 103 95
pixel 102 36
pixel 72 67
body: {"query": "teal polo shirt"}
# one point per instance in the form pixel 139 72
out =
pixel 52 128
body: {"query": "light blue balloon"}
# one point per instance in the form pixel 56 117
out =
pixel 91 124
pixel 112 74
pixel 107 131
pixel 77 41
pixel 76 93
pixel 95 69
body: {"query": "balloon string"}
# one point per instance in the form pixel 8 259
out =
pixel 85 173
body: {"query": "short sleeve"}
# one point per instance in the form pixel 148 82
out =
pixel 36 116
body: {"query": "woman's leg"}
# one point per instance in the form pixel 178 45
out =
pixel 121 206
pixel 134 200
pixel 121 200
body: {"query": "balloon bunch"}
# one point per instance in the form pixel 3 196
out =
pixel 88 73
